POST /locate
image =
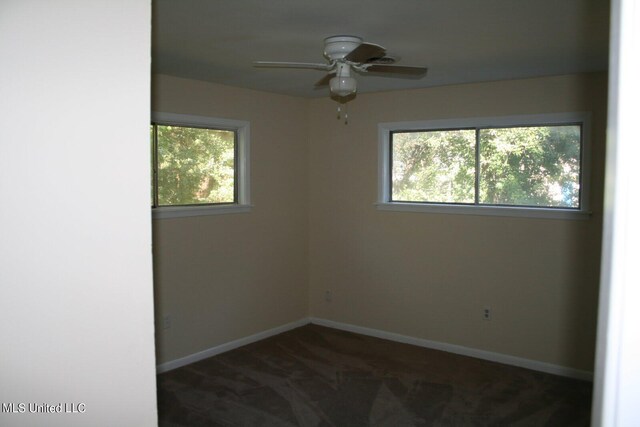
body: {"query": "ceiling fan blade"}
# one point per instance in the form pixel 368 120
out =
pixel 365 52
pixel 400 69
pixel 325 80
pixel 307 65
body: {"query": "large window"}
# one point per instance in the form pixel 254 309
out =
pixel 199 165
pixel 531 165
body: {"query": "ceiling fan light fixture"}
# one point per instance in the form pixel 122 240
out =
pixel 344 53
pixel 343 85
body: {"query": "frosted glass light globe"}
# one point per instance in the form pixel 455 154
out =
pixel 342 86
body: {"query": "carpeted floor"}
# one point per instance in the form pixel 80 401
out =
pixel 317 376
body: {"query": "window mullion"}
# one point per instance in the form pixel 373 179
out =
pixel 477 175
pixel 155 165
pixel 390 166
pixel 236 197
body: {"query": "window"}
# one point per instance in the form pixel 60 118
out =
pixel 519 165
pixel 199 165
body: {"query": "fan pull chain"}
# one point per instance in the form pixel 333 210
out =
pixel 346 113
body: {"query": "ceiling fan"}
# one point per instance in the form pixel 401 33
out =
pixel 347 53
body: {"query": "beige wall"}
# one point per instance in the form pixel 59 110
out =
pixel 314 227
pixel 224 277
pixel 430 275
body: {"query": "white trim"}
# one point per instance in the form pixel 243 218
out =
pixel 458 349
pixel 512 211
pixel 617 384
pixel 420 342
pixel 384 196
pixel 164 212
pixel 495 121
pixel 243 131
pixel 222 348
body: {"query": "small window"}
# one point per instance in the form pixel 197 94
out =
pixel 525 165
pixel 199 166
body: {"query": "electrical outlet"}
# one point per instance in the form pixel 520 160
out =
pixel 486 313
pixel 328 296
pixel 166 322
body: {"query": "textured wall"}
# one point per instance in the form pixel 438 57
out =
pixel 430 275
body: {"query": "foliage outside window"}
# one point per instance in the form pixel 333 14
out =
pixel 528 166
pixel 193 165
pixel 198 165
pixel 433 166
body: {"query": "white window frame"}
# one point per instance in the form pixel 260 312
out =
pixel 243 130
pixel 384 202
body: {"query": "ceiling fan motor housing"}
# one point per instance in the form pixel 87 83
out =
pixel 337 47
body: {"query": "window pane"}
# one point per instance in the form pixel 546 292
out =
pixel 433 166
pixel 195 166
pixel 530 166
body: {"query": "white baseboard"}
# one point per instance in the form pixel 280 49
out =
pixel 196 357
pixel 436 345
pixel 458 349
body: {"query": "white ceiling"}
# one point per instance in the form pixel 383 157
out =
pixel 460 41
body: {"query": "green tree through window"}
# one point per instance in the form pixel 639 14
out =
pixel 536 166
pixel 530 166
pixel 438 166
pixel 194 166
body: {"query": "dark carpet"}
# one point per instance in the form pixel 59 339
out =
pixel 317 376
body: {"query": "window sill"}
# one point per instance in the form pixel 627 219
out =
pixel 508 211
pixel 186 211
